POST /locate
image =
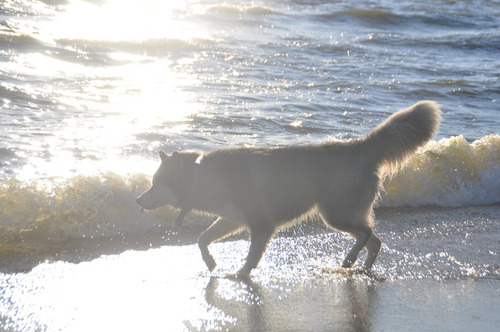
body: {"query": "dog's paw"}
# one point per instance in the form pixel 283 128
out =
pixel 347 264
pixel 210 262
pixel 211 265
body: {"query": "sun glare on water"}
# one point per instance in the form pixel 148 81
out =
pixel 109 89
pixel 118 20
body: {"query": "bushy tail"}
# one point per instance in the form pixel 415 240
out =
pixel 395 139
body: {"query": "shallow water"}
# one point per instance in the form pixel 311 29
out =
pixel 139 301
pixel 423 278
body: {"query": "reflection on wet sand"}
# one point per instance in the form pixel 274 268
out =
pixel 242 299
pixel 246 305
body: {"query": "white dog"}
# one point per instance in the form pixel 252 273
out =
pixel 263 189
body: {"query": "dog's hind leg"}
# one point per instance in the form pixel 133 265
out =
pixel 362 236
pixel 220 229
pixel 357 226
pixel 259 239
pixel 373 246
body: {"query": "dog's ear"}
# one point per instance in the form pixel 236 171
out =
pixel 163 156
pixel 176 156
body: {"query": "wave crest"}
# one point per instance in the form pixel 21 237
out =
pixel 450 173
pixel 82 206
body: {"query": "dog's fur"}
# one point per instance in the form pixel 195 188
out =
pixel 262 189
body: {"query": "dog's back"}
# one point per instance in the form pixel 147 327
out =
pixel 281 184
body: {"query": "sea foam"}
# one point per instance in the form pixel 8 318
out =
pixel 450 173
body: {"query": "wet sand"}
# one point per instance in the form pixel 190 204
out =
pixel 439 270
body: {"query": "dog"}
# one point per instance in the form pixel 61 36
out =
pixel 262 189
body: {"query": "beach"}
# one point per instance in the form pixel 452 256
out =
pixel 446 282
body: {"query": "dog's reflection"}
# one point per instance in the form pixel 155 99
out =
pixel 240 301
pixel 245 305
pixel 360 297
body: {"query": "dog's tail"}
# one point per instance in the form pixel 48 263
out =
pixel 395 139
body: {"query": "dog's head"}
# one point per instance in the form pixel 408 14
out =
pixel 166 182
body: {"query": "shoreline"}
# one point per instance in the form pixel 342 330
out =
pixel 438 270
pixel 32 248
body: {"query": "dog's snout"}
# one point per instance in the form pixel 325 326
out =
pixel 155 197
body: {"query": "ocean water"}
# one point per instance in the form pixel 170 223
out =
pixel 91 90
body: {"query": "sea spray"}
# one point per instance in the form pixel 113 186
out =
pixel 81 206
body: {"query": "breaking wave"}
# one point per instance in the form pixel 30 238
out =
pixel 451 173
pixel 82 206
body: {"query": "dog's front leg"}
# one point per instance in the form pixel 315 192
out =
pixel 259 237
pixel 180 216
pixel 217 231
